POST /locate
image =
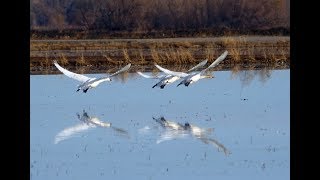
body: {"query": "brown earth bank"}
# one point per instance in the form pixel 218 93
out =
pixel 202 32
pixel 98 54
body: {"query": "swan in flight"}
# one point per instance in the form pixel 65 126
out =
pixel 88 82
pixel 177 130
pixel 168 79
pixel 88 122
pixel 189 78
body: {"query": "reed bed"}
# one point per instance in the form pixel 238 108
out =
pixel 170 52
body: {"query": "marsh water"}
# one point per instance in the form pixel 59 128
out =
pixel 119 129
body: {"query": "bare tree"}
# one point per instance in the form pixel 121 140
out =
pixel 176 15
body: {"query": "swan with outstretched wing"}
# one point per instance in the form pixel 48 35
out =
pixel 88 82
pixel 168 79
pixel 189 78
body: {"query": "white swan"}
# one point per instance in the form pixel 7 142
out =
pixel 88 82
pixel 189 78
pixel 168 79
pixel 176 130
pixel 88 122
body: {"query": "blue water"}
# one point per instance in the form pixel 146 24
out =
pixel 248 113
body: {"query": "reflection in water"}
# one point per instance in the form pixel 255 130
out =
pixel 247 76
pixel 175 130
pixel 88 122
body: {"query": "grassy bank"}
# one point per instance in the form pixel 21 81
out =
pixel 167 51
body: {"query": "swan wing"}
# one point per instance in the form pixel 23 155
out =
pixel 71 131
pixel 201 64
pixel 96 121
pixel 147 76
pixel 107 78
pixel 121 132
pixel 217 61
pixel 127 67
pixel 167 71
pixel 78 77
pixel 216 144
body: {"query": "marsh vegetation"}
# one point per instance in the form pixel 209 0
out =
pixel 100 54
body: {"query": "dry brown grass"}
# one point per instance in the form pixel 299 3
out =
pixel 283 55
pixel 229 42
pixel 46 63
pixel 235 55
pixel 81 61
pixel 63 60
pixel 185 44
pixel 163 51
pixel 172 55
pixel 264 54
pixel 142 58
pixel 273 56
pixel 126 56
pixel 81 70
pixel 185 56
pixel 209 52
pixel 110 60
pixel 235 44
pixel 163 57
pixel 31 65
pixel 251 53
pixel 155 55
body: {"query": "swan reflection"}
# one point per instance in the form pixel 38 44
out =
pixel 174 130
pixel 88 122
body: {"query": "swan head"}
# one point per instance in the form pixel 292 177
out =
pixel 207 76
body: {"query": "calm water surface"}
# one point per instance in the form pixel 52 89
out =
pixel 119 130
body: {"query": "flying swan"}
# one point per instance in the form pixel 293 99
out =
pixel 168 79
pixel 88 82
pixel 189 78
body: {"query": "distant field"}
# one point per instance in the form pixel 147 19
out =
pixel 243 50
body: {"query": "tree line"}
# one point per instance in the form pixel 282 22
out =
pixel 149 15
